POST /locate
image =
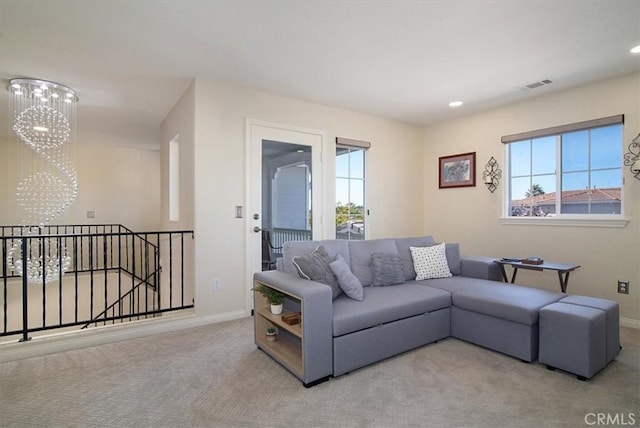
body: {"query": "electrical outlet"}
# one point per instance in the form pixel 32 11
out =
pixel 623 287
pixel 216 284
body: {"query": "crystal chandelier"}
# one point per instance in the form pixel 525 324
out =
pixel 44 125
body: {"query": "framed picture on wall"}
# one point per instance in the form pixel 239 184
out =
pixel 457 170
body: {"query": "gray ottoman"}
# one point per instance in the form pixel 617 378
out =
pixel 573 338
pixel 612 312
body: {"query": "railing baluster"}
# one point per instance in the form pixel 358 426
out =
pixel 111 246
pixel 133 271
pixel 181 269
pixel 81 254
pixel 170 270
pixel 158 272
pixel 25 296
pixel 91 274
pixel 60 260
pixel 44 283
pixel 75 261
pixel 146 274
pixel 5 281
pixel 106 274
pixel 120 275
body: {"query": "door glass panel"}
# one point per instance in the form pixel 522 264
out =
pixel 286 197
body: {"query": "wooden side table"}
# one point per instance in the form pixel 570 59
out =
pixel 562 269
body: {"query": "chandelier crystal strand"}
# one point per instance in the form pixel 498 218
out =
pixel 44 124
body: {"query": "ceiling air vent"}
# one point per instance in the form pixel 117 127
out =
pixel 535 85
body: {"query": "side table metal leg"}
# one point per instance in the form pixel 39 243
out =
pixel 563 281
pixel 504 273
pixel 515 272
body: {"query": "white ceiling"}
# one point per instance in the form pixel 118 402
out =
pixel 130 61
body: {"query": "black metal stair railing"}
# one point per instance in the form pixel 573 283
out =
pixel 115 310
pixel 113 275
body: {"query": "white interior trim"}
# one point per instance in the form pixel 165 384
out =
pixel 62 342
pixel 110 334
pixel 630 322
pixel 590 221
pixel 255 132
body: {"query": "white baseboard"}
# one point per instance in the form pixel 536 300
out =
pixel 61 342
pixel 630 322
pixel 109 334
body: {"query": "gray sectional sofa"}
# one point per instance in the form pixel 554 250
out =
pixel 343 334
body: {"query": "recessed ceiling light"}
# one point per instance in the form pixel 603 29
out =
pixel 455 104
pixel 635 50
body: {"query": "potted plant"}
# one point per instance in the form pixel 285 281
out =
pixel 271 334
pixel 274 297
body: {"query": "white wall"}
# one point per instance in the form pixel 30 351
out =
pixel 121 184
pixel 395 189
pixel 180 123
pixel 471 215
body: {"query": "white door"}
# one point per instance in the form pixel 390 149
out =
pixel 284 187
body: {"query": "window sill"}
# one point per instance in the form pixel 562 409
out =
pixel 591 221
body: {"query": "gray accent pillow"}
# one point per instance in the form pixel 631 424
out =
pixel 348 282
pixel 291 249
pixel 360 256
pixel 386 269
pixel 315 267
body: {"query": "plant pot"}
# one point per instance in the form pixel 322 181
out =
pixel 271 337
pixel 277 309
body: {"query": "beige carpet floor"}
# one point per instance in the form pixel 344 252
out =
pixel 214 376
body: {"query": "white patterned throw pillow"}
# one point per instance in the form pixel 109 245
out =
pixel 430 262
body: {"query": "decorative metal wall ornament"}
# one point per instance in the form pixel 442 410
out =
pixel 44 126
pixel 632 158
pixel 492 174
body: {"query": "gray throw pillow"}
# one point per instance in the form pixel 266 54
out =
pixel 348 282
pixel 386 269
pixel 315 267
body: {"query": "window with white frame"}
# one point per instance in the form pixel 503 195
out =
pixel 350 179
pixel 567 170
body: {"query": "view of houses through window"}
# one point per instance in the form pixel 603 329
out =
pixel 578 172
pixel 350 193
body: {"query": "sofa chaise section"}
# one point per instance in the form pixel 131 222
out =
pixel 498 316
